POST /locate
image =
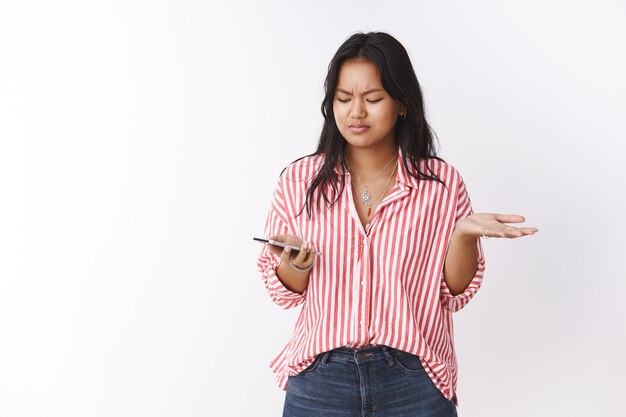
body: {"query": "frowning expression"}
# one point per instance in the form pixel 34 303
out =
pixel 364 112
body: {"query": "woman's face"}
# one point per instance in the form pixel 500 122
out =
pixel 360 100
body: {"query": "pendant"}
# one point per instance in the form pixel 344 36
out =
pixel 365 197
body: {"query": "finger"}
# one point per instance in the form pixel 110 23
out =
pixel 513 232
pixel 311 253
pixel 521 231
pixel 302 254
pixel 497 232
pixel 285 254
pixel 510 218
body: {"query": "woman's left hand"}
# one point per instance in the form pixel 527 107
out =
pixel 493 225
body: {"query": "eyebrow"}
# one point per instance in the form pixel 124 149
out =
pixel 371 90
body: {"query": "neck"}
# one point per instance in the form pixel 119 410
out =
pixel 368 163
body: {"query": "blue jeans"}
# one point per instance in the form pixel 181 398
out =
pixel 372 381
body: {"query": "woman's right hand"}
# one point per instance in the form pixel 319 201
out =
pixel 302 259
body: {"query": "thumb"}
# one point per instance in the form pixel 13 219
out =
pixel 510 218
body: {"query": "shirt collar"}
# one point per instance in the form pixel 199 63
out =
pixel 403 177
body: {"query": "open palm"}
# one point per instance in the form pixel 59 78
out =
pixel 494 225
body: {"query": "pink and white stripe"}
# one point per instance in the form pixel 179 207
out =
pixel 381 286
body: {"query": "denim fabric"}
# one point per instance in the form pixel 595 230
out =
pixel 372 381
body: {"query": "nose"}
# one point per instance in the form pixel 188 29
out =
pixel 357 111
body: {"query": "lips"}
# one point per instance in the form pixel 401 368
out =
pixel 358 128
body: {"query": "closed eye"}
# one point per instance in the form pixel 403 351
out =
pixel 369 101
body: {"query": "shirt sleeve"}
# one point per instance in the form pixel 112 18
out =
pixel 268 262
pixel 456 302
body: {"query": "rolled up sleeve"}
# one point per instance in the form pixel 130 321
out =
pixel 268 262
pixel 451 302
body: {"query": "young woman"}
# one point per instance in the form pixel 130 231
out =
pixel 400 248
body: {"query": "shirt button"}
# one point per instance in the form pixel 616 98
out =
pixel 362 282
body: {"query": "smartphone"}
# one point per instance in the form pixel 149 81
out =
pixel 294 249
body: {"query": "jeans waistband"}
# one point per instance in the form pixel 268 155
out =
pixel 370 353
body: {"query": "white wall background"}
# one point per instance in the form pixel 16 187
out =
pixel 140 143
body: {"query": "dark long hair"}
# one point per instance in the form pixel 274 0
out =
pixel 412 134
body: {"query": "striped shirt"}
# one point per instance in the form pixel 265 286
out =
pixel 380 286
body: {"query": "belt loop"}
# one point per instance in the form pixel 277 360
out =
pixel 325 356
pixel 387 354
